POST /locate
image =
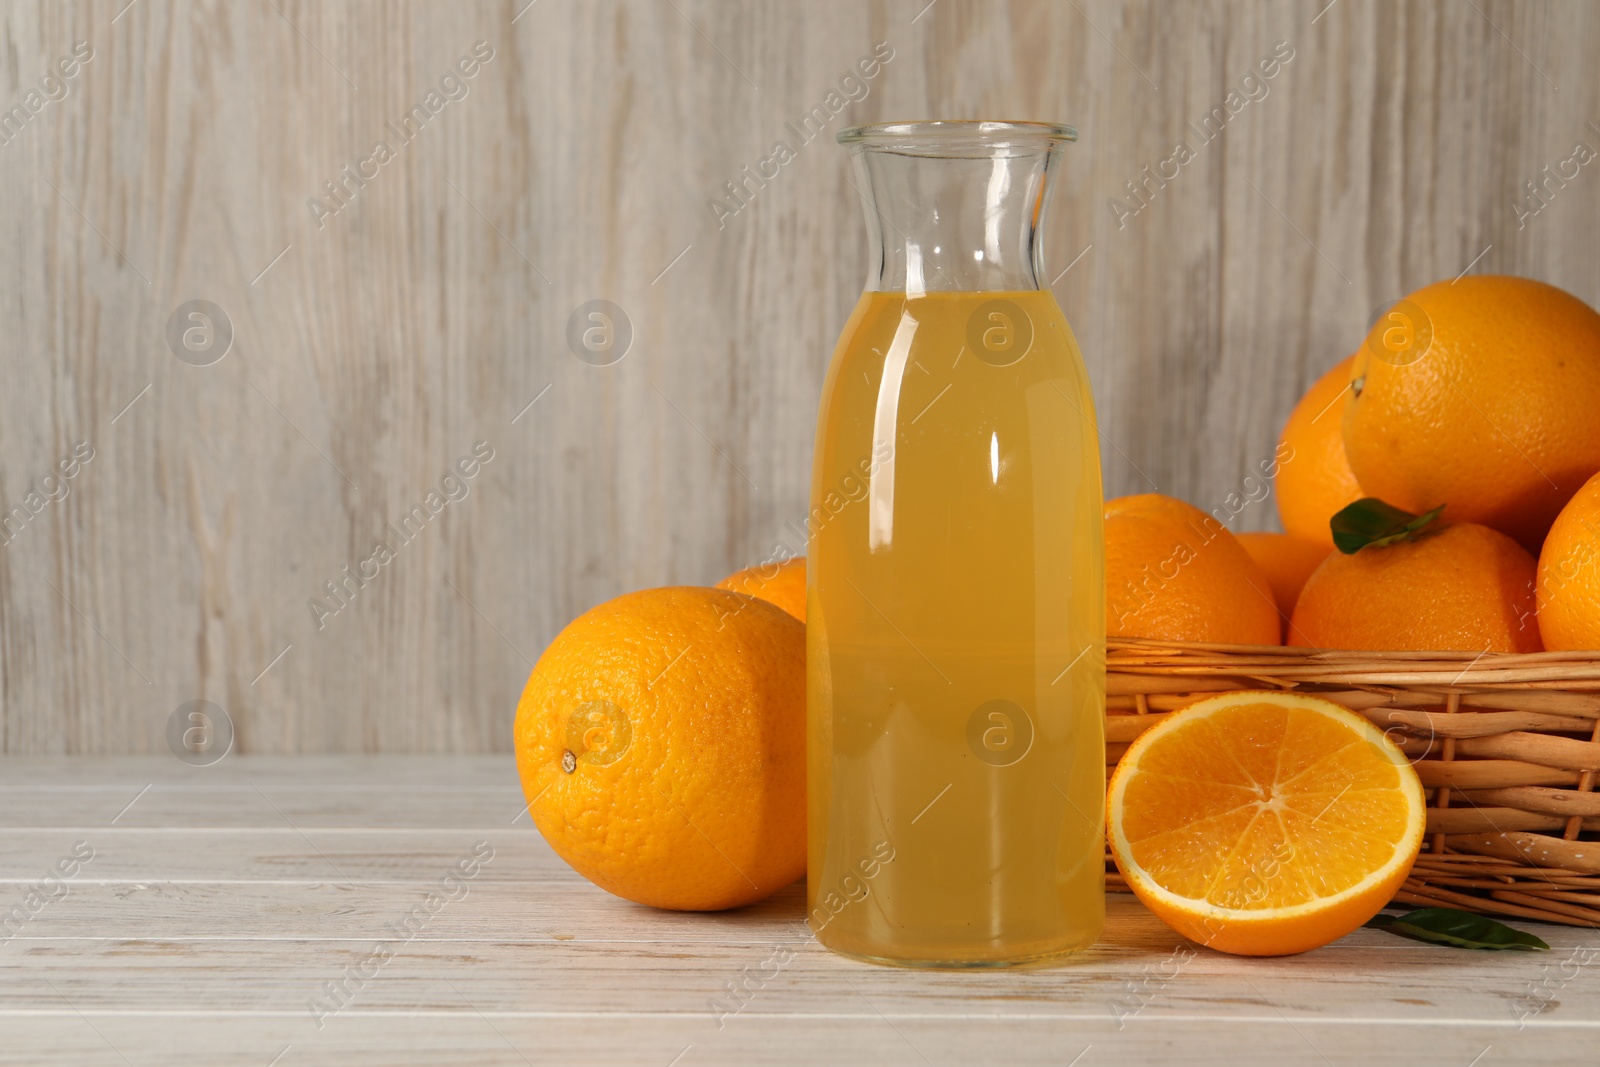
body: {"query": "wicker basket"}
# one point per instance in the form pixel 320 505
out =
pixel 1507 747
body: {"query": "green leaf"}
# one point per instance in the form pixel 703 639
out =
pixel 1449 926
pixel 1370 523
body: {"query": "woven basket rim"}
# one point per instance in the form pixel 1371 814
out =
pixel 1132 655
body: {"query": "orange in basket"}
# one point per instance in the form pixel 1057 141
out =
pixel 1314 479
pixel 783 584
pixel 1569 574
pixel 1287 561
pixel 1481 391
pixel 1174 573
pixel 1443 587
pixel 1264 823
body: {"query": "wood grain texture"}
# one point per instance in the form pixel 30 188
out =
pixel 205 923
pixel 372 352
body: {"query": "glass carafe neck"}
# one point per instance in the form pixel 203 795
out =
pixel 956 206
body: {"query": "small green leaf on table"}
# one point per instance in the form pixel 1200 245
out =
pixel 1448 926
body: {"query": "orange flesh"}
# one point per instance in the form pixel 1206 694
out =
pixel 1258 806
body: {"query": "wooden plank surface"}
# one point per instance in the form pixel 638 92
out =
pixel 373 348
pixel 203 930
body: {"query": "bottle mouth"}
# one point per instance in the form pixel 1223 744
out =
pixel 958 138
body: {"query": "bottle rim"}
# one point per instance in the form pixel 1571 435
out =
pixel 938 136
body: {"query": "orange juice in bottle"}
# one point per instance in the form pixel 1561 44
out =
pixel 956 597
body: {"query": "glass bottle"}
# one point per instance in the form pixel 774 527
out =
pixel 956 592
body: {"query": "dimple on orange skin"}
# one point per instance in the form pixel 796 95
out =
pixel 783 584
pixel 1569 575
pixel 704 807
pixel 1314 479
pixel 1264 823
pixel 1459 588
pixel 1174 573
pixel 1498 416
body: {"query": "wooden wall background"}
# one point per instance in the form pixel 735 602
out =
pixel 372 353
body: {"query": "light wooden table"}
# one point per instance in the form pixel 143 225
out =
pixel 220 902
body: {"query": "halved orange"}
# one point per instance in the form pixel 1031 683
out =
pixel 1264 823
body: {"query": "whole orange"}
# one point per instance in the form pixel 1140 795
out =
pixel 661 742
pixel 1569 574
pixel 1174 573
pixel 1460 587
pixel 1314 478
pixel 1483 393
pixel 783 584
pixel 1287 562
